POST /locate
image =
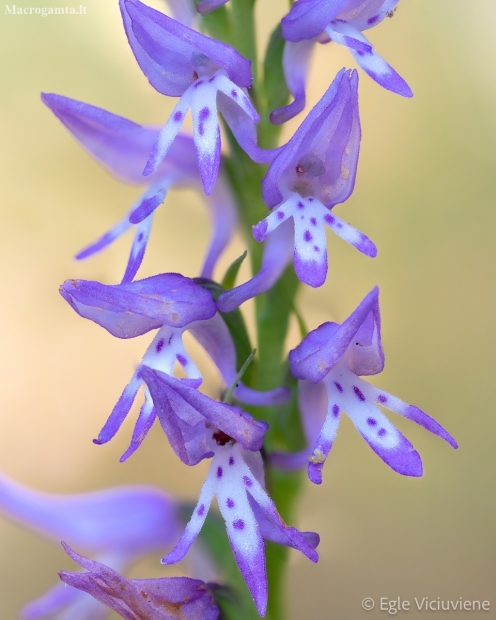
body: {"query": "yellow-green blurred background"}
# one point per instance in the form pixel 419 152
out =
pixel 425 193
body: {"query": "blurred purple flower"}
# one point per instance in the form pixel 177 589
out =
pixel 167 598
pixel 312 173
pixel 117 526
pixel 199 427
pixel 172 303
pixel 331 359
pixel 206 74
pixel 123 147
pixel 341 21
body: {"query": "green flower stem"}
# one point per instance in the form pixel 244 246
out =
pixel 273 309
pixel 244 37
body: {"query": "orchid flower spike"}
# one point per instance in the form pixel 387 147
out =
pixel 166 598
pixel 341 21
pixel 123 148
pixel 206 74
pixel 312 173
pixel 172 303
pixel 117 526
pixel 195 424
pixel 331 359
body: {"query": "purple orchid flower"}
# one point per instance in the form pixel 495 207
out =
pixel 117 526
pixel 341 21
pixel 167 598
pixel 233 439
pixel 312 173
pixel 207 75
pixel 331 359
pixel 173 304
pixel 123 147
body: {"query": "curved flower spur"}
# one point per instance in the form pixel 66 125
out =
pixel 312 173
pixel 233 438
pixel 206 74
pixel 341 21
pixel 123 148
pixel 116 526
pixel 172 303
pixel 334 356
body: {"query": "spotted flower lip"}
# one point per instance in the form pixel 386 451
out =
pixel 236 478
pixel 312 173
pixel 343 22
pixel 332 357
pixel 166 598
pixel 117 526
pixel 172 303
pixel 123 147
pixel 308 176
pixel 206 74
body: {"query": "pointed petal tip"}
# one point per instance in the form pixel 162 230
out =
pixel 259 230
pixel 368 247
pixel 410 465
pixel 314 473
pixel 148 169
pixel 423 419
pixel 208 185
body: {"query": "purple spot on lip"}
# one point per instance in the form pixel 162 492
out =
pixel 140 237
pixel 247 481
pixel 382 398
pixel 307 236
pixel 178 116
pixel 234 94
pixel 358 393
pixel 310 199
pixel 182 360
pixel 212 79
pixel 335 411
pixel 219 472
pixel 231 460
pixel 371 422
pixel 230 503
pixel 160 345
pixel 339 225
pixel 329 218
pixel 204 114
pixel 201 510
pixel 197 84
pixel 339 386
pixel 280 215
pixel 239 524
pixel 314 221
pixel 371 20
pixel 381 432
pixel 360 52
pixel 316 248
pixel 170 338
pixel 300 205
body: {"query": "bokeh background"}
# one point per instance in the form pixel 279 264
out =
pixel 425 193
